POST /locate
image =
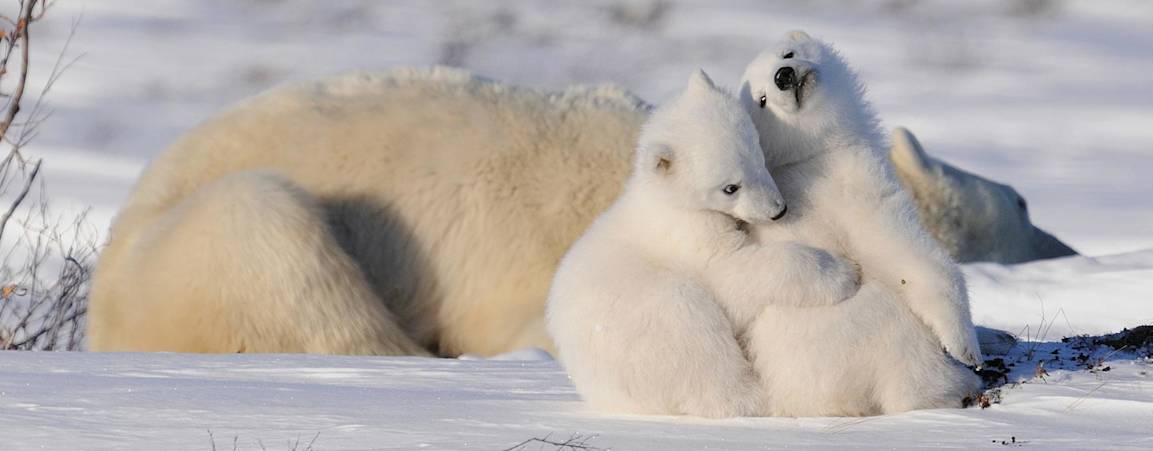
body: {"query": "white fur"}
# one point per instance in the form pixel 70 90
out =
pixel 634 309
pixel 880 351
pixel 974 218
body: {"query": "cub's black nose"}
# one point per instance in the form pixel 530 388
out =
pixel 781 214
pixel 785 78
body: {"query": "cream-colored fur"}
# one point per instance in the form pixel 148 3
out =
pixel 298 220
pixel 974 218
pixel 646 306
pixel 880 351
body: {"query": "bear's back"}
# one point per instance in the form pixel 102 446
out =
pixel 349 131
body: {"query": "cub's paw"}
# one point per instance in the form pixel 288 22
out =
pixel 964 346
pixel 838 279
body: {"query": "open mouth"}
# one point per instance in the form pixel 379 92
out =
pixel 804 87
pixel 788 79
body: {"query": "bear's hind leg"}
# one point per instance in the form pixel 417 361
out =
pixel 715 377
pixel 248 264
pixel 923 377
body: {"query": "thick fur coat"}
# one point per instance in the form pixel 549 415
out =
pixel 411 212
pixel 880 351
pixel 646 307
pixel 974 218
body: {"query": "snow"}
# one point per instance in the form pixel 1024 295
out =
pixel 1057 102
pixel 1051 299
pixel 172 401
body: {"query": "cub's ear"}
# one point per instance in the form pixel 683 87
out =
pixel 798 35
pixel 699 80
pixel 661 160
pixel 908 157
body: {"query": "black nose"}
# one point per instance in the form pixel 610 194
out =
pixel 780 215
pixel 786 78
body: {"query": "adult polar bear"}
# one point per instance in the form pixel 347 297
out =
pixel 412 212
pixel 974 218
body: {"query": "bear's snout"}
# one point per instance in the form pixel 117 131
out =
pixel 785 78
pixel 781 214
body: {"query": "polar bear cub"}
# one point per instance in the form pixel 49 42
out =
pixel 881 351
pixel 638 306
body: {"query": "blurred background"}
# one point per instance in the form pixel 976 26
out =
pixel 1052 96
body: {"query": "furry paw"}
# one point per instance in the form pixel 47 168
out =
pixel 964 346
pixel 834 279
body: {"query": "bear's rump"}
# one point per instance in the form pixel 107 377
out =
pixel 828 360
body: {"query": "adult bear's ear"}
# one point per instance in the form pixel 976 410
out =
pixel 908 157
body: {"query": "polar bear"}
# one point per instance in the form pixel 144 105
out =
pixel 880 351
pixel 638 307
pixel 339 216
pixel 974 218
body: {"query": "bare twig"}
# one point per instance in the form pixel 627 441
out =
pixel 19 197
pixel 575 442
pixel 38 310
pixel 21 34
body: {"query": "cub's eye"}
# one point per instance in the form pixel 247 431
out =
pixel 731 189
pixel 764 100
pixel 1021 203
pixel 787 56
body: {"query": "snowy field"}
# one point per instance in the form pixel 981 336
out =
pixel 172 401
pixel 1053 97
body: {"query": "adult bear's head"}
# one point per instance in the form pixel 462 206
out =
pixel 974 218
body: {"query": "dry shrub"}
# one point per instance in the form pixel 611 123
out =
pixel 45 259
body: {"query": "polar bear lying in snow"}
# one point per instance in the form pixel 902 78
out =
pixel 646 306
pixel 880 351
pixel 974 218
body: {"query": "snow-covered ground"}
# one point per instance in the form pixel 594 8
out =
pixel 1093 396
pixel 1051 299
pixel 173 401
pixel 1054 97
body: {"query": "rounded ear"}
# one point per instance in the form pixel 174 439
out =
pixel 907 155
pixel 798 35
pixel 700 80
pixel 661 159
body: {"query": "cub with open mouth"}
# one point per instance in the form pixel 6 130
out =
pixel 880 351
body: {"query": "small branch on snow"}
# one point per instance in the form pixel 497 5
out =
pixel 575 442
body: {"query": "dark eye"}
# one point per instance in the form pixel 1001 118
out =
pixel 764 100
pixel 1021 203
pixel 731 189
pixel 787 55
